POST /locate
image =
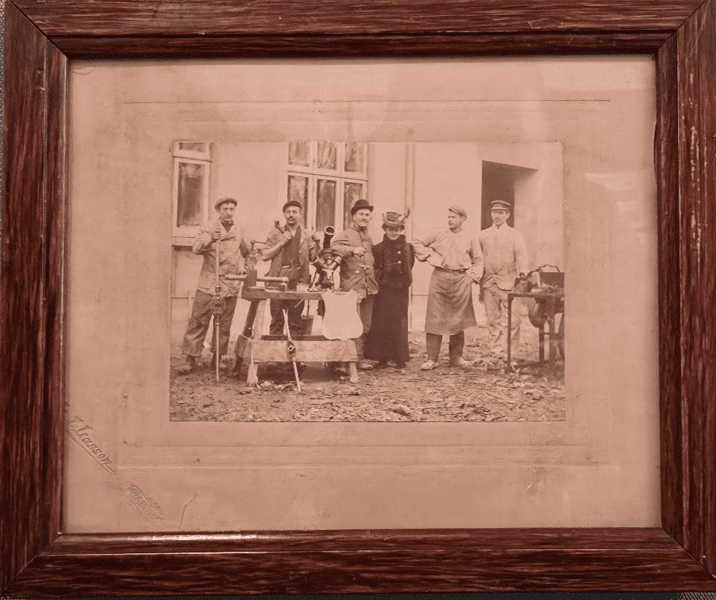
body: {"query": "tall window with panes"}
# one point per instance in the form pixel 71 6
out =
pixel 190 189
pixel 327 178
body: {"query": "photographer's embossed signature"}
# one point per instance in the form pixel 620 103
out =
pixel 83 435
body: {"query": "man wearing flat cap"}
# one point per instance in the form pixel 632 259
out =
pixel 355 247
pixel 290 250
pixel 505 258
pixel 232 251
pixel 457 262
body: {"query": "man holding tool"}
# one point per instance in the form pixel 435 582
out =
pixel 290 250
pixel 215 295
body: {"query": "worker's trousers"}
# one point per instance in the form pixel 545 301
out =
pixel 496 310
pixel 201 317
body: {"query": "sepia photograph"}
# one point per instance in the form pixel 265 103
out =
pixel 378 252
pixel 292 276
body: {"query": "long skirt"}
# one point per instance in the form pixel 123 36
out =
pixel 450 308
pixel 388 335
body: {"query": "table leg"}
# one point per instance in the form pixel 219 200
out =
pixel 258 327
pixel 541 343
pixel 252 377
pixel 508 369
pixel 353 369
pixel 250 317
pixel 552 336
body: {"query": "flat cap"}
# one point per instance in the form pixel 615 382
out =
pixel 501 204
pixel 292 203
pixel 224 200
pixel 458 210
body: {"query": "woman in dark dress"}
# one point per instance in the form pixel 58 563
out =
pixel 394 259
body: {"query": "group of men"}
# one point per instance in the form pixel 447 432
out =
pixel 493 259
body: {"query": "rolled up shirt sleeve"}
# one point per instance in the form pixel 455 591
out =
pixel 423 251
pixel 478 261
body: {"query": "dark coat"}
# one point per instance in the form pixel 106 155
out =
pixel 388 336
pixel 393 263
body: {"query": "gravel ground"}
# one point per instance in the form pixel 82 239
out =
pixel 482 392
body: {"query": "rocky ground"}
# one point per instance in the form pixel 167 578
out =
pixel 482 392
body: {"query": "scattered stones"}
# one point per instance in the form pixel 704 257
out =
pixel 402 410
pixel 483 393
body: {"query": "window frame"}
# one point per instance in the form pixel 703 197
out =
pixel 183 235
pixel 339 175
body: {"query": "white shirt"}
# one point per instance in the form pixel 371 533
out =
pixel 505 254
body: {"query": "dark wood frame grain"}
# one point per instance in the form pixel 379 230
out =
pixel 38 559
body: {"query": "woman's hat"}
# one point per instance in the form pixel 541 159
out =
pixel 394 219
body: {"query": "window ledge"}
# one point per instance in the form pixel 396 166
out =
pixel 184 241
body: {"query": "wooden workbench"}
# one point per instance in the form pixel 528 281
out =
pixel 255 348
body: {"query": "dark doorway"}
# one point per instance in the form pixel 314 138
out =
pixel 498 183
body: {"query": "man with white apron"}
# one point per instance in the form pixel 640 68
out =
pixel 458 263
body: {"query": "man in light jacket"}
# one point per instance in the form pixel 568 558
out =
pixel 505 259
pixel 233 250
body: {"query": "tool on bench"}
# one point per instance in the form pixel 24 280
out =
pixel 255 348
pixel 325 263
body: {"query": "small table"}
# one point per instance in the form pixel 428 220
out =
pixel 257 349
pixel 552 299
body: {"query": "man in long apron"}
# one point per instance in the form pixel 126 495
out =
pixel 458 263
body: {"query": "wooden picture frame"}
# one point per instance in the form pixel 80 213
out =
pixel 39 560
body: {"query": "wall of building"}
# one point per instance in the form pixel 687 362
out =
pixel 441 174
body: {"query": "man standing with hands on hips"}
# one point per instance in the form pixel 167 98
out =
pixel 232 251
pixel 505 258
pixel 457 259
pixel 355 247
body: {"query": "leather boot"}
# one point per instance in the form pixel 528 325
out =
pixel 362 364
pixel 187 366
